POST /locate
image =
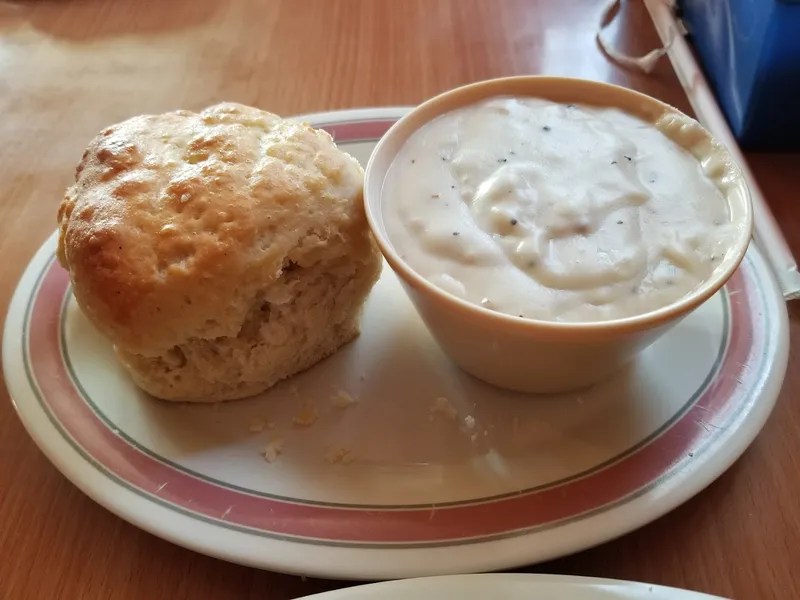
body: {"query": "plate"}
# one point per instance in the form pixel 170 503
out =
pixel 511 586
pixel 427 471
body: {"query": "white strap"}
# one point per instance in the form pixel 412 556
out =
pixel 644 63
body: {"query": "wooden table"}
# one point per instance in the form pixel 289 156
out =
pixel 68 68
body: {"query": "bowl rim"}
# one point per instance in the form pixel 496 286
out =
pixel 452 99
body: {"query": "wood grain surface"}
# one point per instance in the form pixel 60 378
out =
pixel 70 67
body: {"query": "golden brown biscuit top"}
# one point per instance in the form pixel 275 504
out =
pixel 179 216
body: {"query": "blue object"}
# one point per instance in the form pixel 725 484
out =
pixel 750 50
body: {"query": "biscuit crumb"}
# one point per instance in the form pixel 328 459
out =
pixel 443 407
pixel 342 399
pixel 339 455
pixel 306 417
pixel 257 425
pixel 469 422
pixel 273 450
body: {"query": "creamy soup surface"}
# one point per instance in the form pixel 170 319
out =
pixel 557 212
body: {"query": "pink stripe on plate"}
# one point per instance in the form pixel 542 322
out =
pixel 492 518
pixel 358 130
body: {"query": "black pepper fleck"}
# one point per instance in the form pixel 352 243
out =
pixel 546 128
pixel 652 181
pixel 619 222
pixel 502 160
pixel 570 106
pixel 452 187
pixel 513 221
pixel 455 233
pixel 713 257
pixel 691 454
pixel 512 153
pixel 444 158
pixel 628 158
pixel 521 317
pixel 413 160
pixel 613 162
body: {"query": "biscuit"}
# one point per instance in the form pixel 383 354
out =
pixel 219 251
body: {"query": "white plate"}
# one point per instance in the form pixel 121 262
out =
pixel 510 586
pixel 532 479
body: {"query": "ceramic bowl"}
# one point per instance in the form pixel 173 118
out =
pixel 549 356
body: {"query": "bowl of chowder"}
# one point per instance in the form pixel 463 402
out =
pixel 548 229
